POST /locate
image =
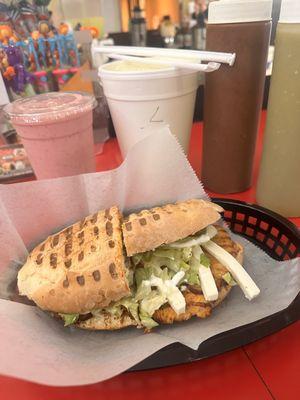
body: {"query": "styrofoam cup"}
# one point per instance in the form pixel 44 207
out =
pixel 139 99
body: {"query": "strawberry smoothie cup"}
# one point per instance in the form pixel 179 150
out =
pixel 56 130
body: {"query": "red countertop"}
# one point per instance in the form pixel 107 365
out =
pixel 266 369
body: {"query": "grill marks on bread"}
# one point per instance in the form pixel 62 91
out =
pixel 149 229
pixel 79 269
pixel 83 268
pixel 70 246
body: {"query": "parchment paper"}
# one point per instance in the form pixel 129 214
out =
pixel 34 346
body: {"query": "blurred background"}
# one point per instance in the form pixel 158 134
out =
pixel 48 45
pixel 163 19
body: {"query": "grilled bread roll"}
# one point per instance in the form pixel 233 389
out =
pixel 82 270
pixel 78 269
pixel 149 229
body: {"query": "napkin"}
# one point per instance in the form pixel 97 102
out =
pixel 38 348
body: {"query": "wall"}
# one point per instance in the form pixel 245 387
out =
pixel 105 14
pixel 156 9
pixel 111 13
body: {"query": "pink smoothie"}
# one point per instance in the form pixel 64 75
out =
pixel 56 130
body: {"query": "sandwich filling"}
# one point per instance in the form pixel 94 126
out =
pixel 160 279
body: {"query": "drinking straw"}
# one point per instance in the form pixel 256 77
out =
pixel 200 56
pixel 211 66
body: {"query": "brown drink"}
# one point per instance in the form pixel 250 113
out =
pixel 233 95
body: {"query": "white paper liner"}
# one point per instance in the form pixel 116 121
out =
pixel 38 348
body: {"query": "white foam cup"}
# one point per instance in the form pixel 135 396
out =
pixel 145 95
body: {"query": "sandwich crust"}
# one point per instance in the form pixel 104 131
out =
pixel 78 269
pixel 149 229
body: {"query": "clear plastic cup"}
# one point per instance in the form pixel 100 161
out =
pixel 57 133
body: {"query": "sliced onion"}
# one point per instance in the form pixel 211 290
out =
pixel 211 231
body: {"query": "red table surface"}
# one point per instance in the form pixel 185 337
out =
pixel 266 369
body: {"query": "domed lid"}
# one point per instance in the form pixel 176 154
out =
pixel 290 12
pixel 49 107
pixel 237 11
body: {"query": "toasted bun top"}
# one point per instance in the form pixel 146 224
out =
pixel 80 268
pixel 162 225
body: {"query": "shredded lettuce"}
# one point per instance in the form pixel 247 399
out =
pixel 147 256
pixel 164 269
pixel 143 274
pixel 144 289
pixel 152 302
pixel 147 321
pixel 136 259
pixel 200 257
pixel 160 262
pixel 165 253
pixel 187 253
pixel 166 274
pixel 192 277
pixel 154 277
pixel 132 307
pixel 69 319
pixel 173 266
pixel 183 266
pixel 115 310
pixel 204 260
pixel 229 279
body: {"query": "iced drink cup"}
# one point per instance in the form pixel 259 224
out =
pixel 140 96
pixel 56 130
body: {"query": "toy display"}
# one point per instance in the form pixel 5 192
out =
pixel 47 53
pixel 13 70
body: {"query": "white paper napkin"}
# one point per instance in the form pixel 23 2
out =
pixel 35 347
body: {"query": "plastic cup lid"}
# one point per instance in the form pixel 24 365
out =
pixel 239 11
pixel 49 107
pixel 290 11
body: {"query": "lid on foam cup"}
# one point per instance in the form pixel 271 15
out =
pixel 238 11
pixel 49 107
pixel 290 12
